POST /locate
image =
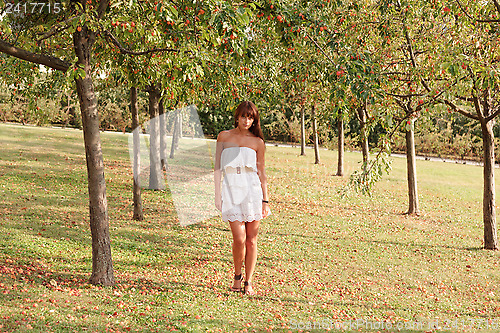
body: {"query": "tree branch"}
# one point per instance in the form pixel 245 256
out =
pixel 493 115
pixel 401 104
pixel 464 11
pixel 112 39
pixel 56 29
pixel 413 60
pixel 488 21
pixel 404 96
pixel 101 9
pixel 458 109
pixel 393 73
pixel 321 49
pixel 41 59
pixel 497 5
pixel 465 99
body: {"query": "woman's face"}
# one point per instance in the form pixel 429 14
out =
pixel 245 121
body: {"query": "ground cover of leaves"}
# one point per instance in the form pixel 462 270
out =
pixel 356 261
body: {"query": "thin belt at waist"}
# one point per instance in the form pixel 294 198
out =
pixel 239 170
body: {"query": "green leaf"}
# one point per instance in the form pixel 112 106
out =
pixel 80 73
pixel 389 120
pixel 173 11
pixel 453 69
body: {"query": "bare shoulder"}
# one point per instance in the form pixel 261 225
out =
pixel 223 136
pixel 260 143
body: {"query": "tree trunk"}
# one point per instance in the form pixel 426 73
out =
pixel 102 265
pixel 302 132
pixel 340 160
pixel 175 134
pixel 489 214
pixel 156 181
pixel 179 132
pixel 163 137
pixel 315 135
pixel 411 168
pixel 138 214
pixel 364 134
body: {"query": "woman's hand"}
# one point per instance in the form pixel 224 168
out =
pixel 266 211
pixel 218 203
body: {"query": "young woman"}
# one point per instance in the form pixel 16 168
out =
pixel 242 196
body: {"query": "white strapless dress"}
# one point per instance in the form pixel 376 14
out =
pixel 241 187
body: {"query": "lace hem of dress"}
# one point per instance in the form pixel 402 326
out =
pixel 241 217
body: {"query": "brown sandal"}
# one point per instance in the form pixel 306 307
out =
pixel 238 277
pixel 248 292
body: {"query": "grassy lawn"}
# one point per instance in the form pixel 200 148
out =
pixel 322 259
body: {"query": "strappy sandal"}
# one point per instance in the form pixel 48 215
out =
pixel 248 292
pixel 238 277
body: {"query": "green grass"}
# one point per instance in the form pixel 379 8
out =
pixel 321 258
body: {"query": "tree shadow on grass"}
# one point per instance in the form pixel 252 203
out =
pixel 426 246
pixel 75 284
pixel 72 287
pixel 387 242
pixel 32 272
pixel 18 323
pixel 132 249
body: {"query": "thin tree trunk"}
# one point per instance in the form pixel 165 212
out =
pixel 102 264
pixel 411 168
pixel 138 214
pixel 364 134
pixel 156 181
pixel 175 135
pixel 163 137
pixel 174 138
pixel 179 114
pixel 489 214
pixel 302 131
pixel 340 159
pixel 315 135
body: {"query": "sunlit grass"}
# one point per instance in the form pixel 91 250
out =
pixel 321 257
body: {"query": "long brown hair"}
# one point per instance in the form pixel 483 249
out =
pixel 248 109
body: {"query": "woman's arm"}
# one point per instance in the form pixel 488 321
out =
pixel 261 171
pixel 218 170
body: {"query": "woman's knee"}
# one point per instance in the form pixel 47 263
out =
pixel 251 241
pixel 239 241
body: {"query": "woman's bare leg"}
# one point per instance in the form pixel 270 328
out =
pixel 252 230
pixel 239 236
